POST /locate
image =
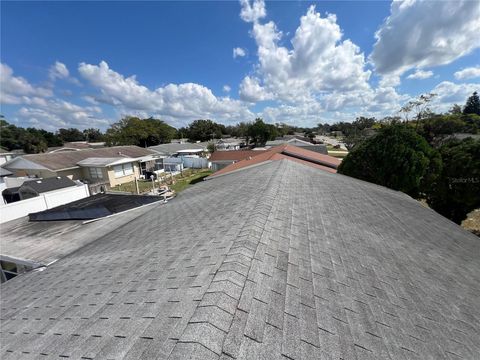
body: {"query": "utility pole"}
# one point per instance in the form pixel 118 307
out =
pixel 153 183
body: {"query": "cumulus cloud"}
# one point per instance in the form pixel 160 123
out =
pixel 318 61
pixel 422 33
pixel 40 109
pixel 449 93
pixel 177 103
pixel 226 88
pixel 252 12
pixel 58 71
pixel 238 52
pixel 56 113
pixel 16 89
pixel 420 74
pixel 251 91
pixel 468 73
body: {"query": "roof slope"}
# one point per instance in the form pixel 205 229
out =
pixel 48 184
pixel 297 263
pixel 234 155
pixel 172 148
pixel 4 172
pixel 69 159
pixel 289 152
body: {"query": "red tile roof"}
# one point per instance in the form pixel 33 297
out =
pixel 289 152
pixel 234 155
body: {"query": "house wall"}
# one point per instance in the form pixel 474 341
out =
pixel 37 172
pixel 74 174
pixel 114 181
pixel 219 165
pixel 86 176
pixel 4 158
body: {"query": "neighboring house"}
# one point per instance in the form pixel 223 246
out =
pixel 3 174
pixel 33 188
pixel 5 156
pixel 284 152
pixel 276 261
pixel 108 166
pixel 221 159
pixel 173 149
pixel 319 148
pixel 229 144
pixel 179 141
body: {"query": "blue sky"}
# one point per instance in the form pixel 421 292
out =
pixel 85 64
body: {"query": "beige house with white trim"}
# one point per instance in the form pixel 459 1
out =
pixel 105 166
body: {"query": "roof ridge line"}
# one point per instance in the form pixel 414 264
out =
pixel 244 245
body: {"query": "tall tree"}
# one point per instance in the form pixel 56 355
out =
pixel 396 157
pixel 259 132
pixel 141 132
pixel 472 106
pixel 93 135
pixel 456 192
pixel 33 144
pixel 70 134
pixel 204 130
pixel 455 109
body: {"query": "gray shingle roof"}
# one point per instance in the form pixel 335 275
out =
pixel 48 184
pixel 172 148
pixel 69 159
pixel 275 261
pixel 4 172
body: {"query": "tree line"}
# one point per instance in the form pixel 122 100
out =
pixel 33 140
pixel 141 132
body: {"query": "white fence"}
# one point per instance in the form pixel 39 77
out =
pixel 195 163
pixel 45 201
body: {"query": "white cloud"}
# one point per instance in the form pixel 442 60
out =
pixel 238 52
pixel 468 73
pixel 251 91
pixel 252 12
pixel 56 113
pixel 226 88
pixel 420 74
pixel 176 103
pixel 318 62
pixel 16 89
pixel 389 80
pixel 39 109
pixel 58 71
pixel 422 33
pixel 449 93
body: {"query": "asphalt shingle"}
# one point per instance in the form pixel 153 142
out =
pixel 275 261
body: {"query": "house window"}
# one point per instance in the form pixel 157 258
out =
pixel 95 173
pixel 123 170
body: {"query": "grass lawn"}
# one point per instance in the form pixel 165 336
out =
pixel 143 186
pixel 182 181
pixel 189 179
